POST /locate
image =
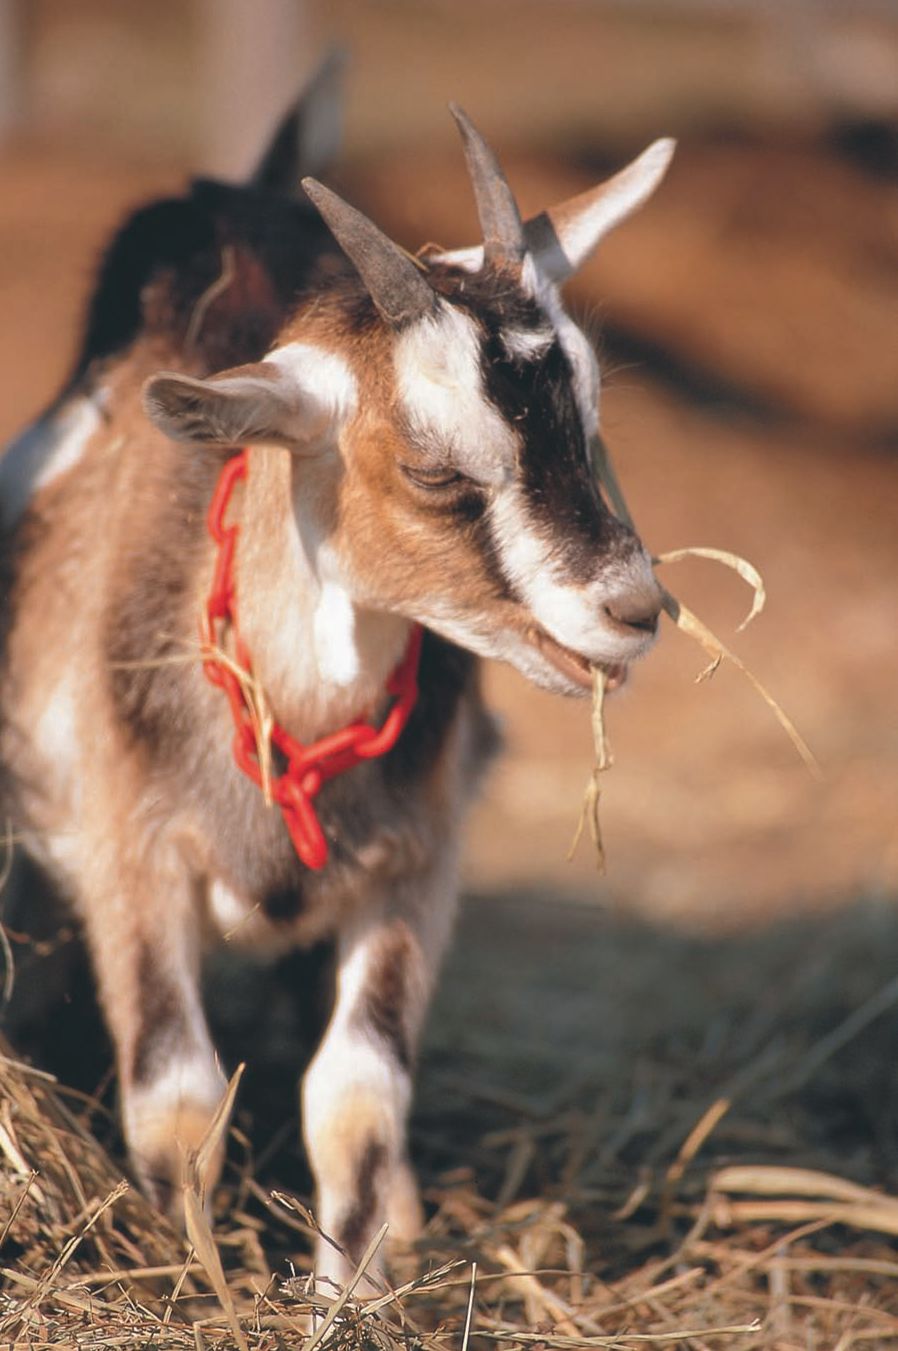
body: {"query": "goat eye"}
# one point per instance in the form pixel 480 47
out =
pixel 437 477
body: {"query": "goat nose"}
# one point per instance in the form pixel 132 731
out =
pixel 639 611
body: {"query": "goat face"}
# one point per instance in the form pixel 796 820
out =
pixel 441 421
pixel 497 396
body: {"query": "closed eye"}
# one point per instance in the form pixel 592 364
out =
pixel 439 476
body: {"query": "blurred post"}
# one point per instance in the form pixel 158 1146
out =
pixel 11 77
pixel 252 60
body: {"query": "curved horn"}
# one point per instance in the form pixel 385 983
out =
pixel 392 280
pixel 562 238
pixel 500 220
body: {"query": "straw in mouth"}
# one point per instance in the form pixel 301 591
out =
pixel 572 664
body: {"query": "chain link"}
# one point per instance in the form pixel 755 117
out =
pixel 308 766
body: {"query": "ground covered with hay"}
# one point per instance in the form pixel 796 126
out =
pixel 625 1135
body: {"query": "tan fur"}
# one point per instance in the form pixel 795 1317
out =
pixel 115 752
pixel 95 811
pixel 119 751
pixel 416 545
pixel 167 1141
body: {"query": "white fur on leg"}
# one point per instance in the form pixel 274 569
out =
pixel 167 1117
pixel 355 1100
pixel 357 1092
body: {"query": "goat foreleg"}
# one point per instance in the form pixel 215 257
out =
pixel 142 932
pixel 357 1092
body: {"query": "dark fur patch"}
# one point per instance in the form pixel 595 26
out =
pixel 167 233
pixel 148 626
pixel 383 1006
pixel 537 398
pixel 168 253
pixel 445 675
pixel 162 1019
pixel 488 295
pixel 535 395
pixel 282 904
pixel 354 1230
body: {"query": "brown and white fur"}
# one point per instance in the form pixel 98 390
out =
pixel 425 464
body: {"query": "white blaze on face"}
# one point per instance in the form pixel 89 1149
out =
pixel 438 375
pixel 565 611
pixel 586 381
pixel 573 613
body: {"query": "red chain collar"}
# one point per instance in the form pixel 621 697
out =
pixel 308 767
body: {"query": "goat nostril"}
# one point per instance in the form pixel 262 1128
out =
pixel 643 618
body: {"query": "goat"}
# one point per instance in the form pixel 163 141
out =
pixel 413 491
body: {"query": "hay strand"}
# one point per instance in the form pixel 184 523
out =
pixel 693 627
pixel 345 1294
pixel 469 1314
pixel 747 571
pixel 199 1231
pixel 602 760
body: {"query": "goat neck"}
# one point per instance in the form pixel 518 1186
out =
pixel 321 659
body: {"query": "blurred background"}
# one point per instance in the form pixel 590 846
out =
pixel 747 324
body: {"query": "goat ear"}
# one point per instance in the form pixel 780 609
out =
pixel 308 138
pixel 562 238
pixel 248 404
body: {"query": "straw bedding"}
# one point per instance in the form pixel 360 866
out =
pixel 625 1136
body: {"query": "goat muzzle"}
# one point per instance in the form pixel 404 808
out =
pixel 570 664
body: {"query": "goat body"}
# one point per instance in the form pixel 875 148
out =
pixel 418 453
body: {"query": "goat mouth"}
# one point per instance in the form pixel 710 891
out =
pixel 571 664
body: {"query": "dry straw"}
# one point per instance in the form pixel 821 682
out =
pixel 699 1254
pixel 690 624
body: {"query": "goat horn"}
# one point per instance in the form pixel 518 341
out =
pixel 392 280
pixel 562 238
pixel 503 234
